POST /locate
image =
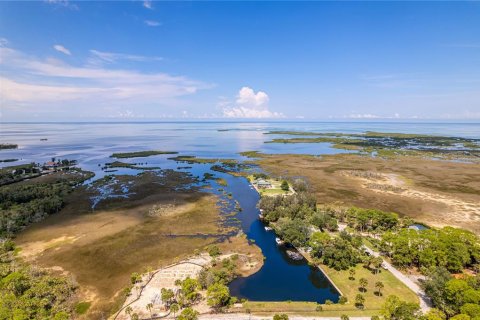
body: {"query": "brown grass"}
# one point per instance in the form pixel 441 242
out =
pixel 442 192
pixel 101 249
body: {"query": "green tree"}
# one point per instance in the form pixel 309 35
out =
pixel 214 251
pixel 189 289
pixel 396 309
pixel 351 273
pixel 434 314
pixel 379 286
pixel 167 296
pixel 473 310
pixel 377 263
pixel 344 317
pixel 363 284
pixel 135 277
pixel 461 317
pixel 284 186
pixel 188 314
pixel 174 308
pixel 359 300
pixel 218 295
pixel 149 307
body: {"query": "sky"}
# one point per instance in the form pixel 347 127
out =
pixel 152 60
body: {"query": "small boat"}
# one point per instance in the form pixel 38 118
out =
pixel 294 255
pixel 278 240
pixel 268 229
pixel 260 216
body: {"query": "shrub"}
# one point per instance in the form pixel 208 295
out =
pixel 342 300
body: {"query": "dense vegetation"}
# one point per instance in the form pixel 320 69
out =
pixel 437 253
pixel 294 216
pixel 29 293
pixel 24 203
pixel 17 173
pixel 451 248
pixel 456 298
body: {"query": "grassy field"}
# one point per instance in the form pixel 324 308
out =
pixel 349 288
pixel 437 193
pixel 267 308
pixel 101 249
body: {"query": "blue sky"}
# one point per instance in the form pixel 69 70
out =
pixel 66 60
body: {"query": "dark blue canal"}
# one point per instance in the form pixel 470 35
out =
pixel 280 278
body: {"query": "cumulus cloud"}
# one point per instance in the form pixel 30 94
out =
pixel 62 49
pixel 152 23
pixel 249 104
pixel 29 81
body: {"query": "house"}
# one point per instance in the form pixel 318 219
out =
pixel 50 164
pixel 263 184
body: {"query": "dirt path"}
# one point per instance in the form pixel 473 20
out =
pixel 425 303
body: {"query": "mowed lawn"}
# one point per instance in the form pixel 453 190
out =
pixel 349 288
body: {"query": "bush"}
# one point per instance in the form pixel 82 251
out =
pixel 282 316
pixel 214 251
pixel 344 317
pixel 342 300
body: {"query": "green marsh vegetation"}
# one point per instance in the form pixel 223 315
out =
pixel 119 164
pixel 138 154
pixel 102 249
pixel 385 143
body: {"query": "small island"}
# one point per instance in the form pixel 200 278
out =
pixel 8 146
pixel 138 154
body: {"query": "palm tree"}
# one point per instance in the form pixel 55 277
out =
pixel 352 274
pixel 379 286
pixel 174 308
pixel 149 308
pixel 359 300
pixel 363 284
pixel 377 263
pixel 128 310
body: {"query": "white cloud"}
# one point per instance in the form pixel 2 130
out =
pixel 152 23
pixel 148 4
pixel 63 3
pixel 112 57
pixel 3 42
pixel 363 116
pixel 249 104
pixel 62 49
pixel 29 81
